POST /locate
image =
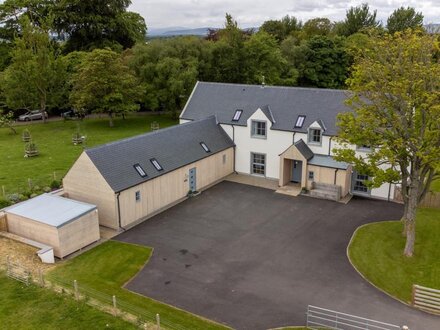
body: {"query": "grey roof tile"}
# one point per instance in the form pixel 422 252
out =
pixel 172 147
pixel 304 149
pixel 327 161
pixel 284 103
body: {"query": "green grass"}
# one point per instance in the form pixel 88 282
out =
pixel 109 266
pixel 435 185
pixel 57 153
pixel 376 251
pixel 31 307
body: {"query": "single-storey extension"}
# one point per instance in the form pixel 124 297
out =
pixel 133 179
pixel 61 223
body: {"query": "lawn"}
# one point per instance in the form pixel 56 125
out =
pixel 31 307
pixel 57 153
pixel 435 186
pixel 376 251
pixel 109 266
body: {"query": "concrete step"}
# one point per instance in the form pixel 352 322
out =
pixel 325 186
pixel 325 194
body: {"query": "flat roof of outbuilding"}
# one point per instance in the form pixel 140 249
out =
pixel 52 210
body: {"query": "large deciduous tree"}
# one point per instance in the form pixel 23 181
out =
pixel 104 84
pixel 36 77
pixel 396 100
pixel 282 28
pixel 357 19
pixel 91 24
pixel 404 18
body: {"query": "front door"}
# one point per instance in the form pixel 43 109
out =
pixel 192 179
pixel 296 171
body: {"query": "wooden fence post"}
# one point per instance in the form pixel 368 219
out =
pixel 158 321
pixel 115 307
pixel 4 191
pixel 75 287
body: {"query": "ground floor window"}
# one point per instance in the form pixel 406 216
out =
pixel 138 196
pixel 258 163
pixel 311 175
pixel 359 183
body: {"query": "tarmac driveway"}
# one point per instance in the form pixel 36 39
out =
pixel 253 259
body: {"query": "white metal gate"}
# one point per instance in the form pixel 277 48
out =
pixel 320 318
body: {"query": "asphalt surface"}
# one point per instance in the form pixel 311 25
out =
pixel 253 259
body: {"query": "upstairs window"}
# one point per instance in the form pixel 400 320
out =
pixel 140 170
pixel 156 164
pixel 205 147
pixel 363 147
pixel 300 121
pixel 237 115
pixel 315 136
pixel 258 129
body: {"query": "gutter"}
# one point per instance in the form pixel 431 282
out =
pixel 119 211
pixel 336 173
pixel 235 146
pixel 293 137
pixel 389 192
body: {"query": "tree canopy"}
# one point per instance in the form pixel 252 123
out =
pixel 396 100
pixel 404 18
pixel 358 19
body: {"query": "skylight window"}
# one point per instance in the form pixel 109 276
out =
pixel 237 115
pixel 300 121
pixel 205 147
pixel 156 164
pixel 140 170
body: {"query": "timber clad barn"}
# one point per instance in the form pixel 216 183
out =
pixel 133 179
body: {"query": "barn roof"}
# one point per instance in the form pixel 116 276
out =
pixel 282 105
pixel 52 210
pixel 129 162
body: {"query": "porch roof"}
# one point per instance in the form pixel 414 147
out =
pixel 327 161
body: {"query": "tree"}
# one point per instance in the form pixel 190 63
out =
pixel 281 29
pixel 321 61
pixel 87 25
pixel 36 77
pixel 316 26
pixel 104 84
pixel 404 18
pixel 263 59
pixel 357 19
pixel 396 100
pixel 7 120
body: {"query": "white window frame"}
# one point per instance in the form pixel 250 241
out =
pixel 156 164
pixel 310 134
pixel 300 121
pixel 205 147
pixel 255 129
pixel 140 170
pixel 258 164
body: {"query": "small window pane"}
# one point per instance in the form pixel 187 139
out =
pixel 140 170
pixel 315 135
pixel 237 115
pixel 138 196
pixel 156 164
pixel 300 121
pixel 311 175
pixel 359 183
pixel 259 128
pixel 258 164
pixel 224 159
pixel 205 147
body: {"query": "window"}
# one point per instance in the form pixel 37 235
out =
pixel 258 129
pixel 138 196
pixel 315 135
pixel 156 164
pixel 311 175
pixel 363 147
pixel 237 115
pixel 140 170
pixel 224 159
pixel 258 164
pixel 359 183
pixel 205 147
pixel 300 121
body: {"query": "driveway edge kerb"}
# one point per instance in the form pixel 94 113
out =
pixel 365 278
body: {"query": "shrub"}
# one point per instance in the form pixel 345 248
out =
pixel 55 184
pixel 46 189
pixel 14 198
pixel 4 203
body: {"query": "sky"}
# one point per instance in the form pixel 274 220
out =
pixel 251 13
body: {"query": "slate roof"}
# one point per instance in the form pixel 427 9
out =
pixel 327 161
pixel 55 211
pixel 304 149
pixel 284 103
pixel 172 147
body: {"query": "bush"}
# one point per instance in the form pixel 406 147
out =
pixel 55 184
pixel 4 203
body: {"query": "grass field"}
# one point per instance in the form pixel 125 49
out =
pixel 109 266
pixel 57 153
pixel 376 251
pixel 435 186
pixel 31 307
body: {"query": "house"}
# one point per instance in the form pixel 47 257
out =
pixel 57 222
pixel 284 134
pixel 133 179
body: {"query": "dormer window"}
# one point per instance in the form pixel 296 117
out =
pixel 300 121
pixel 315 136
pixel 237 115
pixel 258 129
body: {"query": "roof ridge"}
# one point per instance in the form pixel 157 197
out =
pixel 277 86
pixel 160 131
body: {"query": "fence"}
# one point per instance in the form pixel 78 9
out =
pixel 432 200
pixel 426 299
pixel 106 302
pixel 3 222
pixel 321 318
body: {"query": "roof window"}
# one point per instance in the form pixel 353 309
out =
pixel 300 121
pixel 156 164
pixel 140 170
pixel 205 147
pixel 237 115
